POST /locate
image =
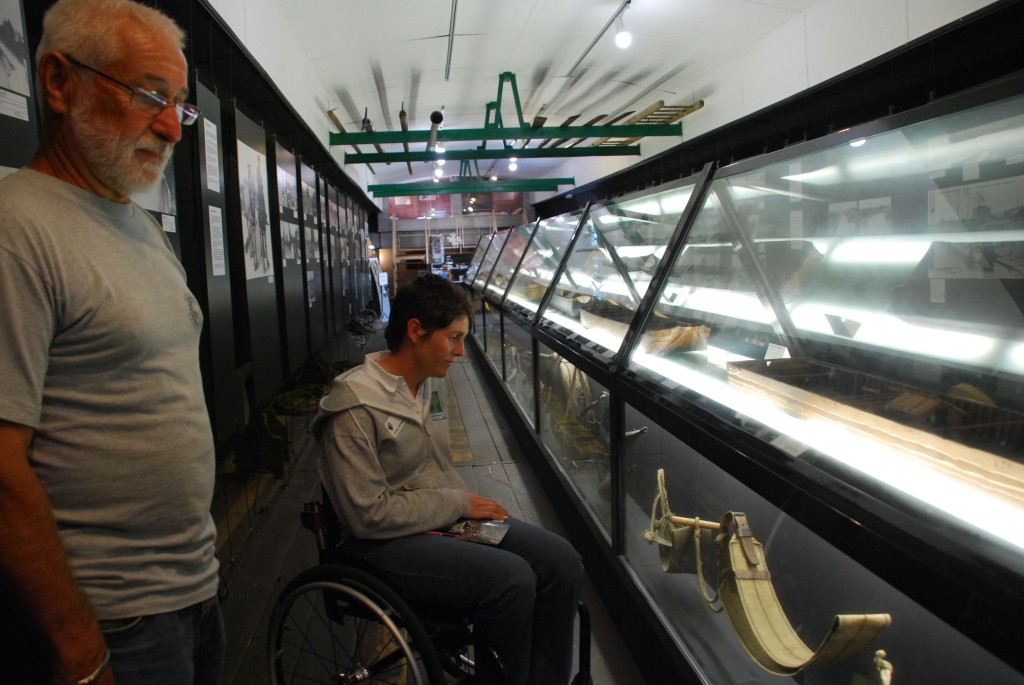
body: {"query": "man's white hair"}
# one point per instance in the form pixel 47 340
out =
pixel 90 30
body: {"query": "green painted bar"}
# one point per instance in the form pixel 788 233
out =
pixel 455 188
pixel 528 153
pixel 507 133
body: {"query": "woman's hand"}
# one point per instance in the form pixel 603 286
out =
pixel 483 508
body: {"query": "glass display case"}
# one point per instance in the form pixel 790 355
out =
pixel 477 258
pixel 489 259
pixel 789 396
pixel 610 267
pixel 505 266
pixel 538 265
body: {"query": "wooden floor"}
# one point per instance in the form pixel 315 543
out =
pixel 487 457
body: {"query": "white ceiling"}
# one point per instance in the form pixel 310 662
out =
pixel 380 54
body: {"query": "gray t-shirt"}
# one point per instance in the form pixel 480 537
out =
pixel 99 340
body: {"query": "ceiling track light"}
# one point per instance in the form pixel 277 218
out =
pixel 618 12
pixel 622 37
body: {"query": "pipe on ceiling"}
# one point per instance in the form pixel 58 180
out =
pixel 451 40
pixel 590 47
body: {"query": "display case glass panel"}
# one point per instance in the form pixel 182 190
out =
pixel 492 334
pixel 490 257
pixel 504 269
pixel 812 582
pixel 611 266
pixel 541 261
pixel 476 325
pixel 477 258
pixel 575 426
pixel 860 308
pixel 519 367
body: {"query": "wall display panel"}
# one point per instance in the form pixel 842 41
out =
pixel 807 585
pixel 611 266
pixel 575 425
pixel 337 217
pixel 515 245
pixel 315 295
pixel 545 253
pixel 490 259
pixel 477 258
pixel 863 304
pixel 519 366
pixel 226 407
pixel 161 201
pixel 288 189
pixel 19 125
pixel 258 257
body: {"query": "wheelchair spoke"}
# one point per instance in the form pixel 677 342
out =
pixel 311 650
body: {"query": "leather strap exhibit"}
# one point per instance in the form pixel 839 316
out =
pixel 755 613
pixel 747 594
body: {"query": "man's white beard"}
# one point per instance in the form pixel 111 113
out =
pixel 111 158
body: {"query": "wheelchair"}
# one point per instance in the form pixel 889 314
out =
pixel 342 622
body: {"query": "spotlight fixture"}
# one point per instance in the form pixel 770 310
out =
pixel 513 159
pixel 439 148
pixel 471 209
pixel 858 142
pixel 436 180
pixel 622 37
pixel 438 172
pixel 440 162
pixel 513 166
pixel 494 178
pixel 472 199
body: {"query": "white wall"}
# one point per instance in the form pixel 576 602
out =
pixel 829 38
pixel 263 29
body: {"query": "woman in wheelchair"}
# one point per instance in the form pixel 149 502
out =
pixel 386 465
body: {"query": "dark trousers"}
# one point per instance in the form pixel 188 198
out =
pixel 522 595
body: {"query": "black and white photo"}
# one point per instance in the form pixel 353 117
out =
pixel 252 188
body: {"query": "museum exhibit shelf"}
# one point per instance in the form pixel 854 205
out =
pixel 786 397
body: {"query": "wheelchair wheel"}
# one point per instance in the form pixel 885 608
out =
pixel 339 625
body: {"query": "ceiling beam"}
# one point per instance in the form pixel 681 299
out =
pixel 507 153
pixel 506 133
pixel 458 187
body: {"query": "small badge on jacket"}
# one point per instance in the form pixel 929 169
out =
pixel 394 425
pixel 436 410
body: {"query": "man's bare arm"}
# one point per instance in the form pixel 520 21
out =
pixel 32 564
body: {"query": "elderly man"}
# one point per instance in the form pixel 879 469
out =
pixel 106 452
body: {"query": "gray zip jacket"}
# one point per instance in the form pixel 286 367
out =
pixel 385 457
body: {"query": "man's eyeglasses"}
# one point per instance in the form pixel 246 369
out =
pixel 146 100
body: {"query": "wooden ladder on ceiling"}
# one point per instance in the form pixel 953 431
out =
pixel 658 113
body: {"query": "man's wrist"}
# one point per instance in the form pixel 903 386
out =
pixel 92 677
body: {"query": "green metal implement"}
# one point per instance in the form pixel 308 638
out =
pixel 458 187
pixel 506 153
pixel 509 133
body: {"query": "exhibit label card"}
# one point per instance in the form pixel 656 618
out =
pixel 168 222
pixel 212 158
pixel 13 105
pixel 217 241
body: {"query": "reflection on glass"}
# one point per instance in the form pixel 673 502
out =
pixel 478 256
pixel 542 259
pixel 611 266
pixel 490 257
pixel 812 580
pixel 868 302
pixel 478 314
pixel 575 422
pixel 519 367
pixel 518 238
pixel 492 334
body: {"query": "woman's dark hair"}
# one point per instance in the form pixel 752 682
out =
pixel 435 301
